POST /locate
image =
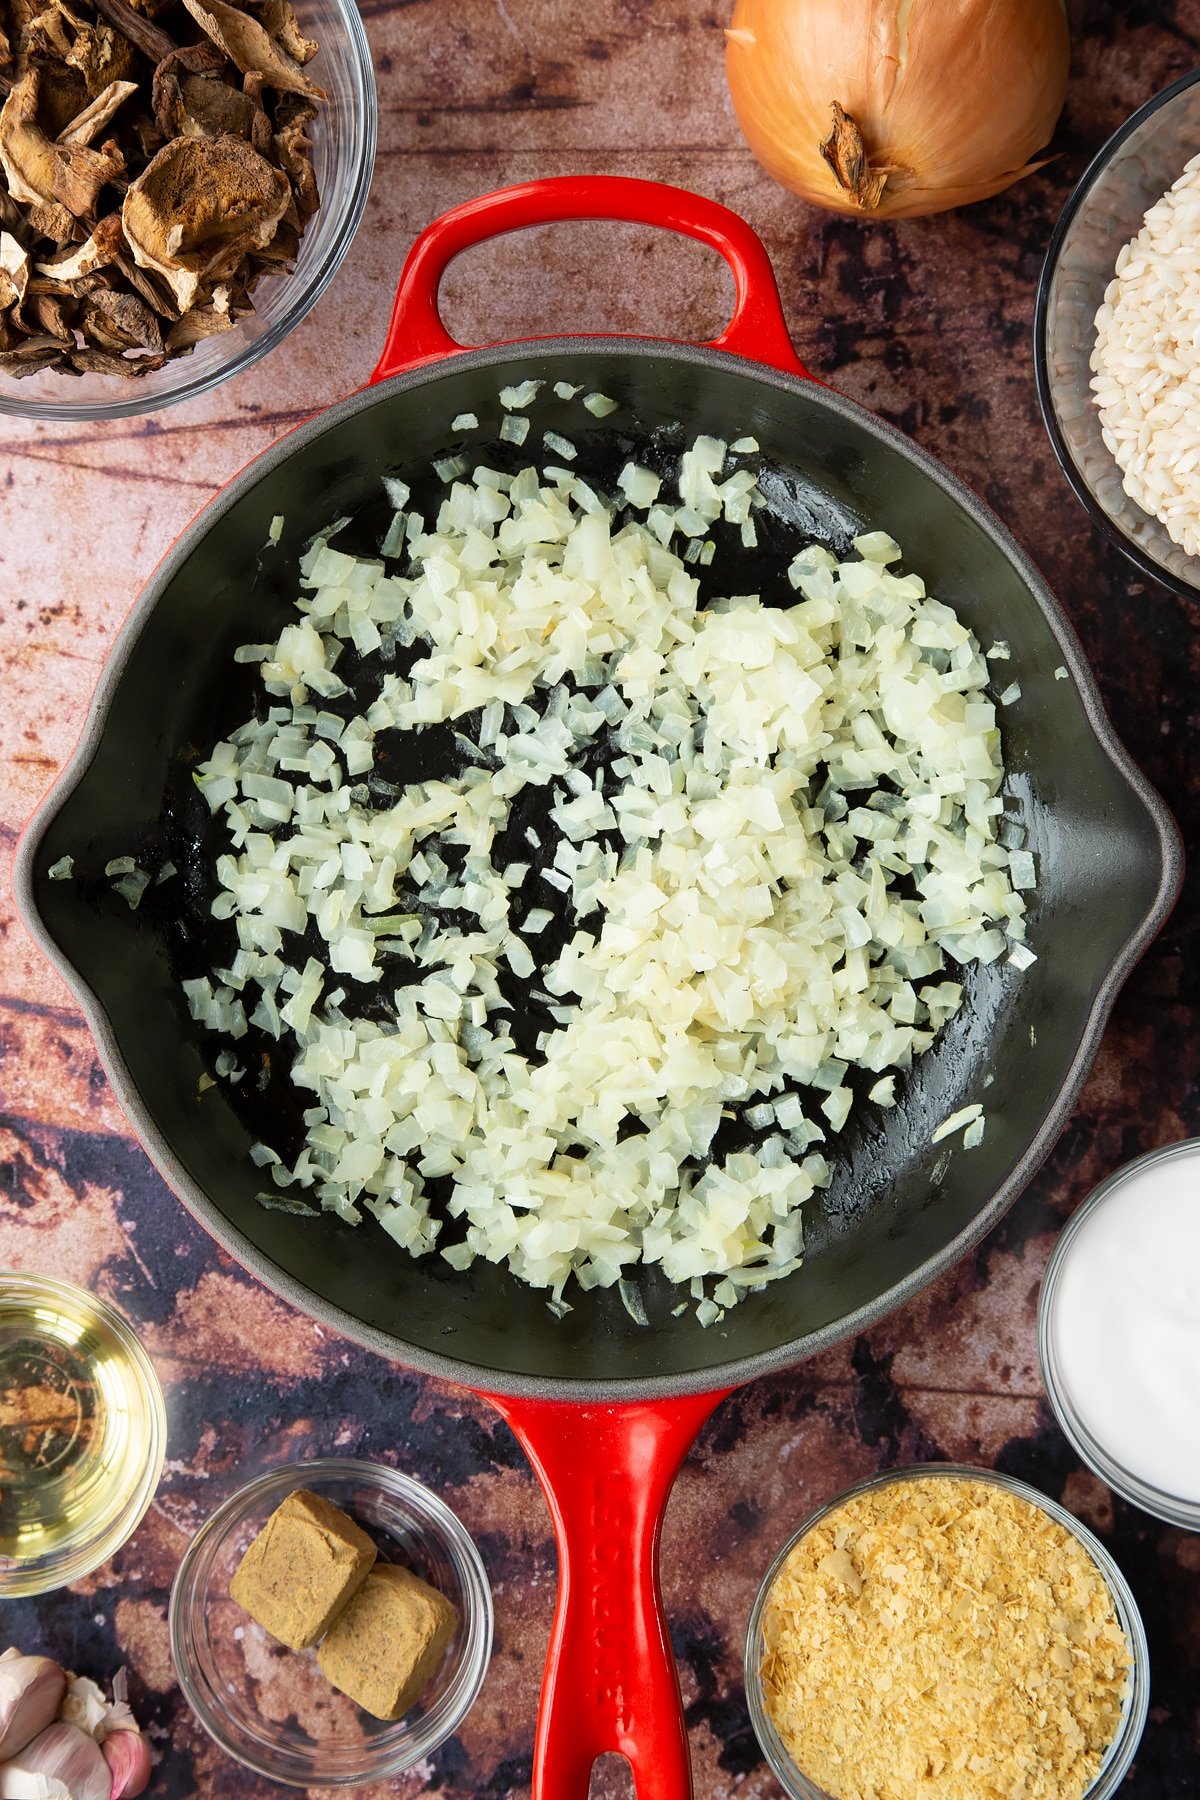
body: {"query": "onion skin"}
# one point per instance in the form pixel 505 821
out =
pixel 944 101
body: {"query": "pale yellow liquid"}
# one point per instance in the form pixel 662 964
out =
pixel 75 1428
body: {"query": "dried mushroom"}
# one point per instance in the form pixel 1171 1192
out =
pixel 49 311
pixel 191 100
pixel 97 114
pixel 139 30
pixel 251 46
pixel 155 164
pixel 100 54
pixel 14 272
pixel 280 20
pixel 293 147
pixel 200 209
pixel 211 109
pixel 104 362
pixel 30 355
pixel 120 323
pixel 202 322
pixel 42 172
pixel 49 220
pixel 99 251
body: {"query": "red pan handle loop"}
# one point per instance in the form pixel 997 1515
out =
pixel 757 329
pixel 610 1679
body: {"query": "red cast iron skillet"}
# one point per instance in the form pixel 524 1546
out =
pixel 606 1409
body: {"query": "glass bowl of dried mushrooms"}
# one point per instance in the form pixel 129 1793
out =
pixel 179 182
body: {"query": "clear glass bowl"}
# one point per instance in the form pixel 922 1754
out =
pixel 1137 1700
pixel 271 1708
pixel 1175 1508
pixel 82 1433
pixel 1137 165
pixel 343 136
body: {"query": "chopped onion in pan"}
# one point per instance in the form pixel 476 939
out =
pixel 767 846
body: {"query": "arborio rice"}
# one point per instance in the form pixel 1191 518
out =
pixel 1147 362
pixel 767 836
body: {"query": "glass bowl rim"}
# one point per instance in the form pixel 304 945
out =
pixel 1171 1508
pixel 478 1615
pixel 1123 1748
pixel 78 1558
pixel 363 143
pixel 1178 584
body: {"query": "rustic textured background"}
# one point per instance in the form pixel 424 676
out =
pixel 927 322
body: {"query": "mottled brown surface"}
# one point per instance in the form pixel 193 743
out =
pixel 927 322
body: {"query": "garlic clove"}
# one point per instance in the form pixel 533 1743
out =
pixel 31 1691
pixel 84 1705
pixel 62 1763
pixel 128 1756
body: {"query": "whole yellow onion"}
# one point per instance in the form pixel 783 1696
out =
pixel 890 108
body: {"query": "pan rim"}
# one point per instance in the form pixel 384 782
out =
pixel 511 1384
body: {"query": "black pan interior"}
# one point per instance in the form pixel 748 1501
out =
pixel 899 1208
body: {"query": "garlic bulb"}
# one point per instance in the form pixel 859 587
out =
pixel 62 1763
pixel 31 1691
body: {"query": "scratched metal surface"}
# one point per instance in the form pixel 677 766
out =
pixel 929 323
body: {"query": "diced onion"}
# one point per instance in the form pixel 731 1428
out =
pixel 514 398
pixel 966 1115
pixel 777 838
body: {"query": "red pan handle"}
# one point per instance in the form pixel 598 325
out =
pixel 757 329
pixel 610 1676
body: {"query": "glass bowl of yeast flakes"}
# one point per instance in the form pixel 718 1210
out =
pixel 947 1633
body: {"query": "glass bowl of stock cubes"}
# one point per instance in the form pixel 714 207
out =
pixel 275 1708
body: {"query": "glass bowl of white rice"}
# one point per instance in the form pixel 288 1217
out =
pixel 1117 337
